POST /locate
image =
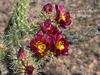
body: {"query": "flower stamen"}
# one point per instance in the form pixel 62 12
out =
pixel 62 17
pixel 41 46
pixel 60 45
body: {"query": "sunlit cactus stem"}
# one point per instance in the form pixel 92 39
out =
pixel 16 26
pixel 20 13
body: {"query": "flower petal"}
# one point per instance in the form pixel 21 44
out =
pixel 47 39
pixel 68 22
pixel 56 31
pixel 32 43
pixel 43 26
pixel 34 49
pixel 38 36
pixel 57 15
pixel 29 70
pixel 59 45
pixel 48 21
pixel 65 51
pixel 67 15
pixel 65 42
pixel 47 8
pixel 61 8
pixel 21 53
pixel 56 7
pixel 62 24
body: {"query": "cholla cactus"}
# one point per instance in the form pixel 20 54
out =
pixel 16 27
pixel 47 43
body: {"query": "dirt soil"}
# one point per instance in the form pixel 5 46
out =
pixel 84 49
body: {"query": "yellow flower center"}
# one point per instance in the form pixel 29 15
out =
pixel 62 17
pixel 41 47
pixel 48 28
pixel 60 45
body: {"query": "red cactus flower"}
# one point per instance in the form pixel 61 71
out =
pixel 59 45
pixel 29 70
pixel 40 45
pixel 21 53
pixel 55 31
pixel 62 19
pixel 48 28
pixel 47 8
